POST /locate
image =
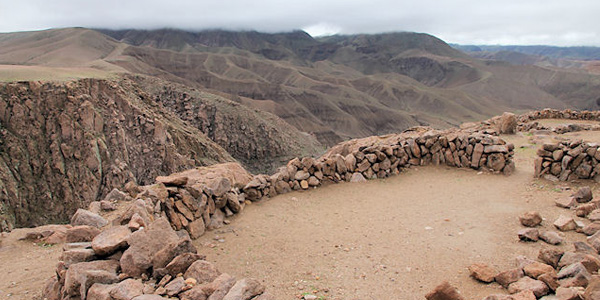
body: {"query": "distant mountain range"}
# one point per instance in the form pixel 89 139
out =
pixel 575 53
pixel 335 87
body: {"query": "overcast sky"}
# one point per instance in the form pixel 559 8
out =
pixel 520 22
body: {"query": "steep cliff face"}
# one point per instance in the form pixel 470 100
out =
pixel 63 145
pixel 260 140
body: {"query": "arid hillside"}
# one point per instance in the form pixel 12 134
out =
pixel 334 88
pixel 63 145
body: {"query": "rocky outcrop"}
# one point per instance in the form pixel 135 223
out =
pixel 260 140
pixel 64 145
pixel 568 160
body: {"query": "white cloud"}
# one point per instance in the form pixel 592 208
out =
pixel 322 29
pixel 555 22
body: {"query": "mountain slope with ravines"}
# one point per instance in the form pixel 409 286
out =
pixel 81 110
pixel 334 88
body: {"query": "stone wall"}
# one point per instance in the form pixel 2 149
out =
pixel 567 114
pixel 568 160
pixel 146 251
pixel 527 121
pixel 380 157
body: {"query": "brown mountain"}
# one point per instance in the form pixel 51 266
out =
pixel 165 100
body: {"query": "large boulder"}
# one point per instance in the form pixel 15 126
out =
pixel 507 123
pixel 203 271
pixel 86 217
pixel 111 240
pixel 82 233
pixel 143 244
pixel 245 289
pixel 81 276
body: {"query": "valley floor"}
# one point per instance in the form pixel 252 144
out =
pixel 385 239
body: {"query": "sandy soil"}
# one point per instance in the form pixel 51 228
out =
pixel 25 266
pixel 385 239
pixel 9 73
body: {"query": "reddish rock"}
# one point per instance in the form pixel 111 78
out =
pixel 111 240
pixel 301 175
pixel 569 293
pixel 583 195
pixel 550 279
pixel 483 272
pixel 152 297
pixel 550 256
pixel 313 181
pixel 173 180
pixel 82 233
pixel 573 270
pixel 202 271
pixel 136 222
pixel 528 235
pixel 106 205
pixel 182 262
pixel 551 237
pixel 566 202
pixel 507 277
pixel 114 195
pixel 564 223
pixel 86 217
pixel 137 259
pixel 245 289
pixel 592 291
pixel 531 219
pixel 196 228
pixel 357 177
pixel 444 291
pixel 51 289
pixel 538 288
pixel 81 276
pixel 74 256
pixel 584 210
pixel 591 229
pixel 534 270
pixel 171 250
pixel 127 289
pixel 304 184
pixel 175 286
pixel 99 291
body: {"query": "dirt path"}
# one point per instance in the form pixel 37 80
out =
pixel 385 239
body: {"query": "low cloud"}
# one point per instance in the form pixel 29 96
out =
pixel 552 22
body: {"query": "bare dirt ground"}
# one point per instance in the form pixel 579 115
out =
pixel 395 238
pixel 9 73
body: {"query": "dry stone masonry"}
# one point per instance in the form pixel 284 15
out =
pixel 568 160
pixel 527 122
pixel 200 199
pixel 380 157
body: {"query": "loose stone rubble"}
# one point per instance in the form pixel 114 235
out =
pixel 149 262
pixel 556 274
